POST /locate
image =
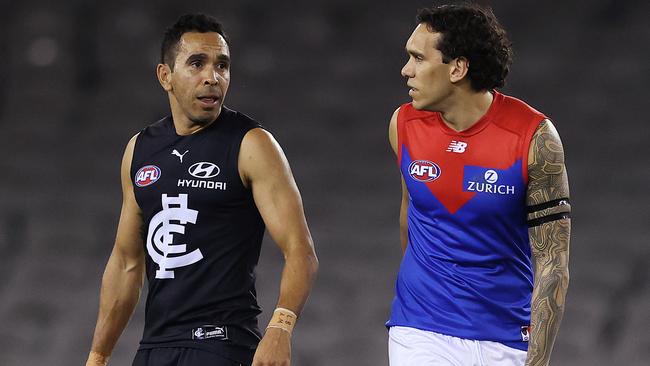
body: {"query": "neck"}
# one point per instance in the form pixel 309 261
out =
pixel 184 125
pixel 466 109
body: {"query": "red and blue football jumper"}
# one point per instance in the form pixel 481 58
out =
pixel 467 268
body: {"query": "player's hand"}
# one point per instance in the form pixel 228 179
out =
pixel 95 359
pixel 274 349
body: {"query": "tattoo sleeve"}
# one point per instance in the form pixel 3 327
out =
pixel 549 240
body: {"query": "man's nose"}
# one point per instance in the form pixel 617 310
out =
pixel 211 76
pixel 407 70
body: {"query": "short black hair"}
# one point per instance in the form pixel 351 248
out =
pixel 196 22
pixel 472 32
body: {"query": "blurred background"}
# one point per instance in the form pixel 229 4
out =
pixel 77 81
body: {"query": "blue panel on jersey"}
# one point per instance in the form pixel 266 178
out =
pixel 467 274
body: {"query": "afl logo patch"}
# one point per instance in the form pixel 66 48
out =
pixel 424 170
pixel 147 175
pixel 204 170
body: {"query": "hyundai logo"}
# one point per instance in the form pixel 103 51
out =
pixel 204 170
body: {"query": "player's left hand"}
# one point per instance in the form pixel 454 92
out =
pixel 274 349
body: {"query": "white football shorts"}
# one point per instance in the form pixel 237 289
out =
pixel 415 347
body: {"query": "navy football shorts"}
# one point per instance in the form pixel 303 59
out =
pixel 178 356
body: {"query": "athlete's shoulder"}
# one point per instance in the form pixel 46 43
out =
pixel 516 115
pixel 158 128
pixel 517 105
pixel 240 119
pixel 517 108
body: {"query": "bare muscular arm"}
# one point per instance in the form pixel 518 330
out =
pixel 549 239
pixel 265 169
pixel 123 275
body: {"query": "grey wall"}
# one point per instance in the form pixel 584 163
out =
pixel 77 81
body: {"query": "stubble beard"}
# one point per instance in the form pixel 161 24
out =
pixel 204 120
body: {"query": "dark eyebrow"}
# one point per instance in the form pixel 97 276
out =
pixel 203 57
pixel 414 53
pixel 223 57
pixel 196 56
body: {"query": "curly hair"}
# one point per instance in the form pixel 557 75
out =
pixel 472 32
pixel 197 22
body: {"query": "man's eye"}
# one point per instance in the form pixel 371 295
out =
pixel 196 64
pixel 222 66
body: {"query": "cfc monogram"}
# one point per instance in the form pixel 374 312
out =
pixel 161 236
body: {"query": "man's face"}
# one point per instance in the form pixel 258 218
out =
pixel 426 74
pixel 200 77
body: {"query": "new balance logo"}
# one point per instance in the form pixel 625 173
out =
pixel 457 147
pixel 180 156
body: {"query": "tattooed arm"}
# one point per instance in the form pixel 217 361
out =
pixel 550 227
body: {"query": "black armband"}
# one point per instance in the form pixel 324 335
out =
pixel 544 219
pixel 543 206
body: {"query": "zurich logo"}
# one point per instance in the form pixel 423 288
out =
pixel 491 176
pixel 424 170
pixel 204 170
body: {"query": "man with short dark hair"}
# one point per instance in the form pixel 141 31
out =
pixel 485 204
pixel 199 188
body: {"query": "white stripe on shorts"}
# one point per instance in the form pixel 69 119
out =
pixel 415 347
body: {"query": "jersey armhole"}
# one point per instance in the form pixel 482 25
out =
pixel 400 132
pixel 134 166
pixel 245 131
pixel 136 144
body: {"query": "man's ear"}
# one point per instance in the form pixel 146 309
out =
pixel 459 67
pixel 164 74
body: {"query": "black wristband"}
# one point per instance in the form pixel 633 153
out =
pixel 544 219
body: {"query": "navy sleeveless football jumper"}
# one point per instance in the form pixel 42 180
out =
pixel 202 235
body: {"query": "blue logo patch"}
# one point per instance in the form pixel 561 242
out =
pixel 490 181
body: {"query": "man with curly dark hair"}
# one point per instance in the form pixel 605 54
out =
pixel 485 213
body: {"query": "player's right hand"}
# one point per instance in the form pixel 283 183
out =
pixel 274 349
